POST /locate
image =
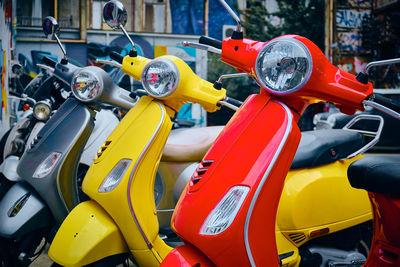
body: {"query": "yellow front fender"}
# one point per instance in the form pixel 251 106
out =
pixel 87 235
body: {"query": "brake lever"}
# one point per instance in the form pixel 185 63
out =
pixel 200 46
pixel 43 66
pixel 109 62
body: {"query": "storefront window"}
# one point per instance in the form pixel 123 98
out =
pixel 31 12
pixel 69 13
pixel 95 14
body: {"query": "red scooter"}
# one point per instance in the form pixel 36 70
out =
pixel 226 216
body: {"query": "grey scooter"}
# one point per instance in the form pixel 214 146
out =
pixel 34 207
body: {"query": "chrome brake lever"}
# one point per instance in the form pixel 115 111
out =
pixel 43 66
pixel 109 62
pixel 200 46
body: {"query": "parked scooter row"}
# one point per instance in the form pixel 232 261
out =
pixel 46 172
pixel 119 177
pixel 132 152
pixel 48 176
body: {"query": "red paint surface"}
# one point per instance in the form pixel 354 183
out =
pixel 186 256
pixel 385 249
pixel 241 155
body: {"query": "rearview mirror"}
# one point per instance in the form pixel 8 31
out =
pixel 114 14
pixel 50 27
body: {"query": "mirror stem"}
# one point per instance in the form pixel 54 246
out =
pixel 134 53
pixel 233 15
pixel 62 47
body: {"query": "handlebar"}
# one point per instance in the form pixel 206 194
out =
pixel 233 101
pixel 384 104
pixel 117 57
pixel 109 62
pixel 210 41
pixel 49 62
pixel 230 103
pixel 385 101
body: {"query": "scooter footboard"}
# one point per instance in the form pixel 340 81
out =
pixel 87 235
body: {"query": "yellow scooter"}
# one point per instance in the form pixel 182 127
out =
pixel 121 217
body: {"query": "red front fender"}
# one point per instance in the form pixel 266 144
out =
pixel 186 256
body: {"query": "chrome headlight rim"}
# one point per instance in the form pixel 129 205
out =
pixel 174 68
pixel 77 95
pixel 295 42
pixel 37 105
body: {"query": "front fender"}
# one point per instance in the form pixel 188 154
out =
pixel 87 235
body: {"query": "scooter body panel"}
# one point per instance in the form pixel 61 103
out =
pixel 66 133
pixel 22 211
pixel 186 256
pixel 140 137
pixel 9 168
pixel 385 249
pixel 105 123
pixel 87 235
pixel 172 179
pixel 302 215
pixel 259 159
pixel 15 133
pixel 35 130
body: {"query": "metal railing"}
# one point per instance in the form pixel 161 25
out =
pixel 27 21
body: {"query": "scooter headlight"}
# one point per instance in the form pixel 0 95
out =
pixel 41 110
pixel 160 77
pixel 283 65
pixel 115 176
pixel 86 86
pixel 222 216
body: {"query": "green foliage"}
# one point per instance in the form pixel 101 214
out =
pixel 307 21
pixel 257 25
pixel 298 18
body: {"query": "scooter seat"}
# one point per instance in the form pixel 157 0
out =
pixel 325 146
pixel 379 174
pixel 190 144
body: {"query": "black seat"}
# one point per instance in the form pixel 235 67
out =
pixel 325 146
pixel 379 174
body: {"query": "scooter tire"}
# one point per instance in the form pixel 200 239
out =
pixel 7 260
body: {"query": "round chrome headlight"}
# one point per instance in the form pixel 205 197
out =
pixel 160 77
pixel 86 86
pixel 283 65
pixel 41 110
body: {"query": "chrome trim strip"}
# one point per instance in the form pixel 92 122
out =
pixel 261 184
pixel 133 172
pixel 382 108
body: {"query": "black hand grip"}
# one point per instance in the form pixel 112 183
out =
pixel 49 62
pixel 116 56
pixel 385 101
pixel 233 101
pixel 210 41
